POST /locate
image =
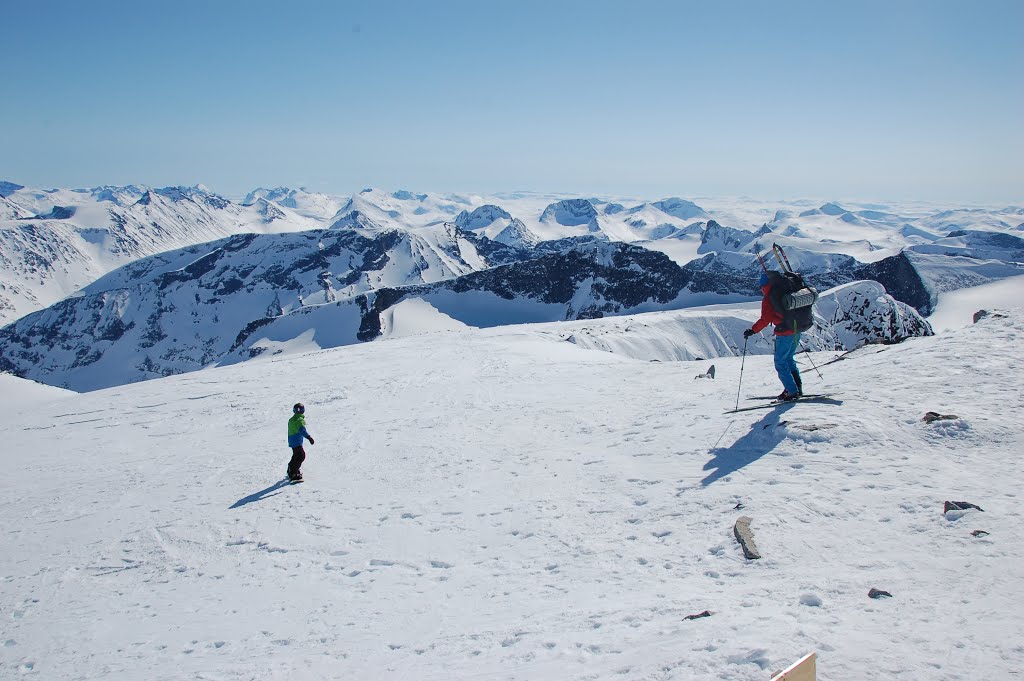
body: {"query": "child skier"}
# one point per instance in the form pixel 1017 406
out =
pixel 786 339
pixel 297 431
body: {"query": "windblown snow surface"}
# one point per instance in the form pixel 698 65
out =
pixel 496 504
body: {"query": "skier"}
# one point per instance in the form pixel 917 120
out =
pixel 786 339
pixel 297 431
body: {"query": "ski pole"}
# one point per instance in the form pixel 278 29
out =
pixel 742 362
pixel 808 353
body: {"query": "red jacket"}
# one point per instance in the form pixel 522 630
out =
pixel 769 315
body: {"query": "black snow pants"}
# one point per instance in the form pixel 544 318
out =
pixel 298 456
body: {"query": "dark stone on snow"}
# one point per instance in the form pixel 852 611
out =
pixel 985 314
pixel 979 533
pixel 931 416
pixel 706 613
pixel 878 593
pixel 960 506
pixel 710 373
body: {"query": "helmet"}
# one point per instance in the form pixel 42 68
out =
pixel 299 408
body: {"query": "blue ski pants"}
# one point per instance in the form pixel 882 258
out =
pixel 785 361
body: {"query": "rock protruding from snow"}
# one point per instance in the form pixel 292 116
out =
pixel 960 506
pixel 932 416
pixel 745 536
pixel 862 312
pixel 988 314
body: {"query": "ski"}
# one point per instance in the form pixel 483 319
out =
pixel 776 397
pixel 760 259
pixel 820 399
pixel 780 255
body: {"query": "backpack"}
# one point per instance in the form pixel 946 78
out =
pixel 794 299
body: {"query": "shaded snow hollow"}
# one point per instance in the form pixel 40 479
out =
pixel 490 504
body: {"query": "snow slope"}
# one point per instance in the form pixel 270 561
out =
pixel 956 308
pixel 493 504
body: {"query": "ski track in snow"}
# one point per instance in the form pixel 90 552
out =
pixel 488 504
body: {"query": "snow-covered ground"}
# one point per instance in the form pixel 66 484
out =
pixel 497 503
pixel 956 308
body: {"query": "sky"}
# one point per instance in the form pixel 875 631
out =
pixel 890 100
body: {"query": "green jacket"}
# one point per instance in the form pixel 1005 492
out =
pixel 297 430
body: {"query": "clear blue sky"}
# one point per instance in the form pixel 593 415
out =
pixel 883 100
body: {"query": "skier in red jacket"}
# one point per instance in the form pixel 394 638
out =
pixel 786 339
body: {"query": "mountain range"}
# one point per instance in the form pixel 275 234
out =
pixel 138 282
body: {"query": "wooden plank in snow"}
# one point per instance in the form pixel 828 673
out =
pixel 804 669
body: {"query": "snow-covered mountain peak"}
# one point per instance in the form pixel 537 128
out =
pixel 719 238
pixel 8 188
pixel 481 217
pixel 570 213
pixel 358 220
pixel 197 194
pixel 832 208
pixel 404 195
pixel 681 208
pixel 121 196
pixel 276 194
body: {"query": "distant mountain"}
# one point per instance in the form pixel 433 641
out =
pixel 572 213
pixel 983 245
pixel 498 225
pixel 182 310
pixel 52 243
pixel 308 204
pixel 680 208
pixel 917 277
pixel 406 209
pixel 718 238
pixel 833 209
pixel 8 188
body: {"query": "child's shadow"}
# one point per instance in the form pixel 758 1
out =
pixel 262 494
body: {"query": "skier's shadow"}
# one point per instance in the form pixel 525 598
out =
pixel 763 437
pixel 262 494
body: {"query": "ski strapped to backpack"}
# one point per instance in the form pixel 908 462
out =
pixel 799 295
